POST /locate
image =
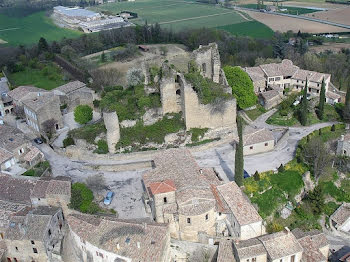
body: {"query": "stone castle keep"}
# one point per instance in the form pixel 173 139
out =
pixel 178 95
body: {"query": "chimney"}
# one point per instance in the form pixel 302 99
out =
pixel 201 171
pixel 138 245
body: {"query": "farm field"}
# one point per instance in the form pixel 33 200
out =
pixel 22 30
pixel 178 15
pixel 291 10
pixel 283 24
pixel 339 15
pixel 249 28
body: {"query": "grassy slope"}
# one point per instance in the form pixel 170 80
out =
pixel 31 28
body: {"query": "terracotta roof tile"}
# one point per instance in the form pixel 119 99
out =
pixel 162 187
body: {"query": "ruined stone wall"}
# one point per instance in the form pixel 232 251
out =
pixel 198 115
pixel 208 62
pixel 168 88
pixel 113 130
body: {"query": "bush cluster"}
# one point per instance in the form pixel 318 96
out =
pixel 82 199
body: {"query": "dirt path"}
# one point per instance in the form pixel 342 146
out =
pixel 9 29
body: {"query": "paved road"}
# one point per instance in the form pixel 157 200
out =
pixel 223 157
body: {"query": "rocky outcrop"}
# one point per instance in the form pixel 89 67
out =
pixel 113 130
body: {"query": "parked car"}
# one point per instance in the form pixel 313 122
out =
pixel 245 174
pixel 38 141
pixel 108 199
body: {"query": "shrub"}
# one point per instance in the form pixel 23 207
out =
pixel 197 133
pixel 68 141
pixel 83 114
pixel 333 128
pixel 82 199
pixel 256 176
pixel 281 168
pixel 88 132
pixel 242 86
pixel 135 77
pixel 102 147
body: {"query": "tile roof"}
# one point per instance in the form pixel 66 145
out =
pixel 11 138
pixel 37 102
pixel 332 95
pixel 70 87
pixel 16 190
pixel 225 252
pixel 255 73
pixel 53 186
pixel 8 209
pixel 285 68
pixel 22 91
pixel 281 244
pixel 312 76
pixel 342 214
pixel 32 154
pixel 189 179
pixel 249 248
pixel 5 155
pixel 253 135
pixel 311 242
pixel 138 241
pixel 271 94
pixel 239 204
pixel 162 187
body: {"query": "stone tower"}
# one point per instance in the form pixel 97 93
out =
pixel 113 131
pixel 169 90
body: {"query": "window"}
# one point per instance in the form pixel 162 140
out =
pixel 309 89
pixel 318 91
pixel 292 259
pixel 31 241
pixel 35 250
pixel 251 147
pixel 277 78
pixel 204 68
pixel 49 232
pixel 165 200
pixel 206 217
pixel 2 235
pixel 16 248
pixel 266 144
pixel 188 220
pixel 254 259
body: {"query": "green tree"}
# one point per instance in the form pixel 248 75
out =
pixel 256 176
pixel 42 45
pixel 103 57
pixel 239 162
pixel 346 110
pixel 82 114
pixel 242 86
pixel 303 106
pixel 320 110
pixel 316 200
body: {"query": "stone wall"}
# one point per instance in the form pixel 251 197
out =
pixel 113 131
pixel 168 89
pixel 198 115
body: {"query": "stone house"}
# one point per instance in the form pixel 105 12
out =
pixel 270 99
pixel 35 235
pixel 243 220
pixel 340 219
pixel 7 159
pixel 21 92
pixel 40 107
pixel 287 75
pixel 105 239
pixel 257 140
pixel 6 106
pixel 295 246
pixel 343 145
pixel 195 201
pixel 73 94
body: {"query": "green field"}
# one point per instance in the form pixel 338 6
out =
pixel 29 29
pixel 291 10
pixel 176 15
pixel 250 28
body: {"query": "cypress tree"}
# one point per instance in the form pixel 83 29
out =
pixel 322 100
pixel 239 162
pixel 42 45
pixel 303 107
pixel 346 110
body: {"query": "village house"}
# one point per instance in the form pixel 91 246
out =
pixel 21 92
pixel 6 106
pixel 340 219
pixel 343 145
pixel 257 140
pixel 105 239
pixel 195 202
pixel 42 107
pixel 295 246
pixel 73 94
pixel 286 75
pixel 35 235
pixel 243 219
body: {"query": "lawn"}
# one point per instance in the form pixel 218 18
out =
pixel 47 78
pixel 255 113
pixel 23 30
pixel 250 28
pixel 175 15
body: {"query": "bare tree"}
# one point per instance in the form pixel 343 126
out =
pixel 317 154
pixel 49 127
pixel 19 112
pixel 96 182
pixel 105 77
